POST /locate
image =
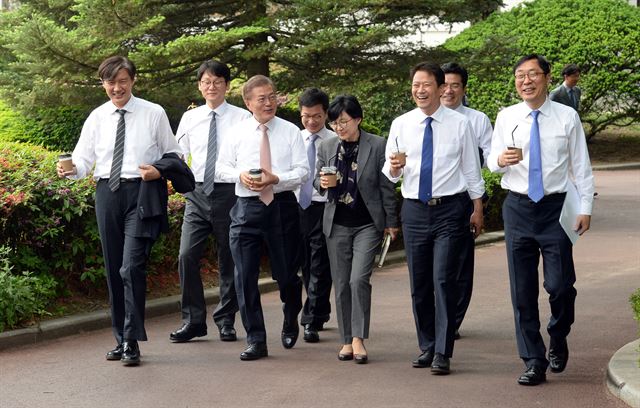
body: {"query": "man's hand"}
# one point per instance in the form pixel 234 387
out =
pixel 148 172
pixel 582 224
pixel 62 173
pixel 508 157
pixel 396 166
pixel 393 231
pixel 252 184
pixel 476 221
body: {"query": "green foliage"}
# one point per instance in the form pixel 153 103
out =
pixel 493 207
pixel 635 306
pixel 601 36
pixel 22 296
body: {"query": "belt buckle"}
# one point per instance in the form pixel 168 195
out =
pixel 433 201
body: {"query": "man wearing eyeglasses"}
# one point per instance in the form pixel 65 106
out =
pixel 201 134
pixel 455 81
pixel 554 154
pixel 314 259
pixel 443 189
pixel 268 162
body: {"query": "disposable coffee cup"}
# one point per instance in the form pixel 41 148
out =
pixel 256 174
pixel 518 150
pixel 401 156
pixel 329 173
pixel 65 162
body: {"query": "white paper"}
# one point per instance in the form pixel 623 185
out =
pixel 570 212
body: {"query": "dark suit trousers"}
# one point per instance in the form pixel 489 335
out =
pixel 532 229
pixel 316 271
pixel 278 226
pixel 434 237
pixel 125 258
pixel 203 216
pixel 465 277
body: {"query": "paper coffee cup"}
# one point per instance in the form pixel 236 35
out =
pixel 518 150
pixel 329 173
pixel 66 162
pixel 401 156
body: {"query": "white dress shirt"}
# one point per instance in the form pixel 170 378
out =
pixel 193 133
pixel 481 126
pixel 323 134
pixel 288 156
pixel 148 136
pixel 563 148
pixel 456 166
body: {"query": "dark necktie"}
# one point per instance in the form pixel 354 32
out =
pixel 118 153
pixel 212 153
pixel 572 96
pixel 426 167
pixel 306 192
pixel 536 189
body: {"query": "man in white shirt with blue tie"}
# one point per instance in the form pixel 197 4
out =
pixel 201 134
pixel 554 154
pixel 314 259
pixel 268 162
pixel 442 189
pixel 122 138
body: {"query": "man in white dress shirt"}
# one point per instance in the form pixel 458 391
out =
pixel 316 272
pixel 455 80
pixel 443 189
pixel 201 133
pixel 554 154
pixel 122 138
pixel 266 212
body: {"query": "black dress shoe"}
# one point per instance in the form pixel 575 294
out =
pixel 558 354
pixel 130 353
pixel 440 365
pixel 115 354
pixel 227 333
pixel 254 351
pixel 424 360
pixel 289 335
pixel 187 332
pixel 310 334
pixel 533 376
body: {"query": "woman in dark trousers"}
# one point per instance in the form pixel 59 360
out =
pixel 360 208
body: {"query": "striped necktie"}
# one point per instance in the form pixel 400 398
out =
pixel 536 189
pixel 118 153
pixel 212 153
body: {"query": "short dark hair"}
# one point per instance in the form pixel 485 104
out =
pixel 254 82
pixel 455 68
pixel 545 66
pixel 344 103
pixel 312 97
pixel 430 67
pixel 570 69
pixel 110 67
pixel 216 68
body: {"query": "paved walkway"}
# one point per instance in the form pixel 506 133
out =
pixel 72 372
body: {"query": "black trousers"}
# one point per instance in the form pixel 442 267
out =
pixel 532 229
pixel 278 227
pixel 316 271
pixel 434 237
pixel 125 258
pixel 205 215
pixel 465 277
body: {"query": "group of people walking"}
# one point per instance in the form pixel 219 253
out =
pixel 320 201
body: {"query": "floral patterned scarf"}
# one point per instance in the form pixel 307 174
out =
pixel 346 191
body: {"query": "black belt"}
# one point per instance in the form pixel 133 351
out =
pixel 442 200
pixel 125 180
pixel 276 196
pixel 548 197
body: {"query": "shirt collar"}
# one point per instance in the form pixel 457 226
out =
pixel 437 115
pixel 322 134
pixel 129 106
pixel 525 111
pixel 270 124
pixel 220 110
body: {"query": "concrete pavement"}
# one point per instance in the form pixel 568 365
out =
pixel 72 372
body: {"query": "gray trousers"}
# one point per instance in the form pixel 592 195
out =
pixel 351 254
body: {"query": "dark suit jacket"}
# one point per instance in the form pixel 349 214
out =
pixel 561 95
pixel 153 196
pixel 375 189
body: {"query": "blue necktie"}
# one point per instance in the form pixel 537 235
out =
pixel 426 167
pixel 306 192
pixel 536 189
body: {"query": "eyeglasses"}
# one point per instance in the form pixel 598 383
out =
pixel 218 83
pixel 263 99
pixel 533 75
pixel 317 116
pixel 339 124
